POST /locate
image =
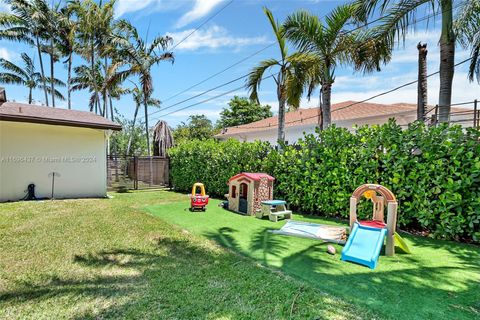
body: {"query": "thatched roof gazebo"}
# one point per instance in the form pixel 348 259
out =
pixel 162 139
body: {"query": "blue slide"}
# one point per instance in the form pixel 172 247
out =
pixel 364 245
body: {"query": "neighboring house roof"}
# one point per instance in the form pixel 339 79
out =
pixel 302 117
pixel 20 112
pixel 252 176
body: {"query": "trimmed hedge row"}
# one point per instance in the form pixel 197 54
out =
pixel 434 172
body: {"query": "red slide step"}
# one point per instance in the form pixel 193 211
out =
pixel 373 223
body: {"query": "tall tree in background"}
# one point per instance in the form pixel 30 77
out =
pixel 467 26
pixel 397 22
pixel 333 45
pixel 20 25
pixel 67 28
pixel 422 96
pixel 26 76
pixel 198 127
pixel 242 111
pixel 86 79
pixel 291 74
pixel 47 20
pixel 138 98
pixel 140 57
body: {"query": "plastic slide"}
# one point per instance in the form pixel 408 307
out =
pixel 364 245
pixel 401 243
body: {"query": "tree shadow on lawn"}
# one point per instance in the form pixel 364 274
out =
pixel 404 286
pixel 171 279
pixel 402 292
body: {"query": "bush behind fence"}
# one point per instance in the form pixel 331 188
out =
pixel 434 172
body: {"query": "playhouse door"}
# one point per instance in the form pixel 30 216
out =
pixel 243 202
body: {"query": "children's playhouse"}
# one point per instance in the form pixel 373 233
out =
pixel 246 191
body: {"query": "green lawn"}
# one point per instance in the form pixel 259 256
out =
pixel 109 258
pixel 440 280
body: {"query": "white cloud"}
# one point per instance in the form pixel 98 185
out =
pixel 127 6
pixel 7 54
pixel 199 10
pixel 212 38
pixel 463 90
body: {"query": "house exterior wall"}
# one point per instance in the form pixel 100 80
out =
pixel 293 134
pixel 30 152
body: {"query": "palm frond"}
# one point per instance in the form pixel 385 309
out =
pixel 10 66
pixel 255 76
pixel 10 78
pixel 467 29
pixel 278 30
pixel 305 31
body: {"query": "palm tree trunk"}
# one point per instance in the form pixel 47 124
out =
pixel 422 81
pixel 52 73
pixel 281 116
pixel 105 104
pixel 447 61
pixel 105 97
pixel 146 98
pixel 30 96
pixel 69 93
pixel 129 145
pixel 320 109
pixel 111 107
pixel 326 112
pixel 42 70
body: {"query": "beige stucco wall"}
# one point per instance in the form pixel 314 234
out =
pixel 30 152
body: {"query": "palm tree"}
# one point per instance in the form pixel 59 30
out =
pixel 21 25
pixel 86 14
pixel 467 26
pixel 333 45
pixel 26 76
pixel 140 58
pixel 395 24
pixel 137 95
pixel 291 75
pixel 86 79
pixel 47 19
pixel 67 28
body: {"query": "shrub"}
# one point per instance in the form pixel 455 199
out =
pixel 434 172
pixel 213 163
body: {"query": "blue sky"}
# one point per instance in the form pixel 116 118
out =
pixel 238 31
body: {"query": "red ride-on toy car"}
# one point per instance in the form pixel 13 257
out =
pixel 198 200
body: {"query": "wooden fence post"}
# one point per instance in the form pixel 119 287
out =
pixel 135 172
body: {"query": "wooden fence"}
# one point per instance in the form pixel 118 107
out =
pixel 137 172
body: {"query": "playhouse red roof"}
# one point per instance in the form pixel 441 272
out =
pixel 252 176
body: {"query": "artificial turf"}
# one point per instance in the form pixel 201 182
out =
pixel 108 258
pixel 439 280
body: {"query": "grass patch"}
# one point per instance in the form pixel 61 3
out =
pixel 440 280
pixel 106 258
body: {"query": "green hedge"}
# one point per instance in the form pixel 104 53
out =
pixel 434 172
pixel 213 163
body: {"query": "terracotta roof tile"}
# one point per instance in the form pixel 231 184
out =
pixel 19 112
pixel 310 116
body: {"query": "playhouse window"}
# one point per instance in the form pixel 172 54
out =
pixel 234 191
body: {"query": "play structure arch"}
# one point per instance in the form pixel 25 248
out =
pixel 387 198
pixel 385 192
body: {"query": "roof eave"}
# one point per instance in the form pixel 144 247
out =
pixel 60 122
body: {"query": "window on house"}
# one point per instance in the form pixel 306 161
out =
pixel 234 191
